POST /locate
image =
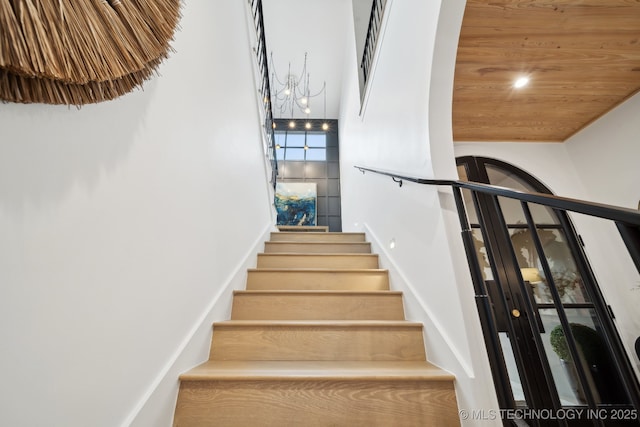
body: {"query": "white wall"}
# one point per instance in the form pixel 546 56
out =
pixel 394 134
pixel 296 27
pixel 605 156
pixel 596 164
pixel 124 225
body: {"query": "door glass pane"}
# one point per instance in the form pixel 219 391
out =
pixel 481 252
pixel 466 195
pixel 594 355
pixel 562 366
pixel 563 268
pixel 513 213
pixel 472 216
pixel 512 370
pixel 512 209
pixel 462 173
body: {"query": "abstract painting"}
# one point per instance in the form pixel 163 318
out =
pixel 296 203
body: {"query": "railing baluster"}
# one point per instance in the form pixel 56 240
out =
pixel 265 89
pixel 373 30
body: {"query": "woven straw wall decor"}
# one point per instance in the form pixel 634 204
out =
pixel 77 52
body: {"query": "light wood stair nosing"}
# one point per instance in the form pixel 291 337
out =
pixel 269 370
pixel 304 228
pixel 315 292
pixel 323 243
pixel 322 233
pixel 326 254
pixel 321 254
pixel 317 270
pixel 319 323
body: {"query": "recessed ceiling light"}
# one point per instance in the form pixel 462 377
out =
pixel 521 82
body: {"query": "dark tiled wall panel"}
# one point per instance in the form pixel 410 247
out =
pixel 326 175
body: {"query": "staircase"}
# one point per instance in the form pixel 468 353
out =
pixel 317 339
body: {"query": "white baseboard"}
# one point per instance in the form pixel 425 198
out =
pixel 434 323
pixel 189 352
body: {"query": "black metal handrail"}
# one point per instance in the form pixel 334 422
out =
pixel 373 30
pixel 265 87
pixel 615 213
pixel 628 224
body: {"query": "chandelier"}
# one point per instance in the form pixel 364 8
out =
pixel 292 96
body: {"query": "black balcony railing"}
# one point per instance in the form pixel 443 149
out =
pixel 373 31
pixel 265 88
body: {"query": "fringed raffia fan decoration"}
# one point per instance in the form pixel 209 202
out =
pixel 81 51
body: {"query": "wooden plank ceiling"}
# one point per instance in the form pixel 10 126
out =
pixel 582 58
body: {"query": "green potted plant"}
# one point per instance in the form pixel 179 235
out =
pixel 592 351
pixel 587 339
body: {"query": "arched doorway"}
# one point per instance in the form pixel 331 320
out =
pixel 555 346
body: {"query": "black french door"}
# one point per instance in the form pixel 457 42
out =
pixel 557 359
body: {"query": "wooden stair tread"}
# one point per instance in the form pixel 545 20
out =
pixel 319 370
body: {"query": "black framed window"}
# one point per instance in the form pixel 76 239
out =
pixel 292 144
